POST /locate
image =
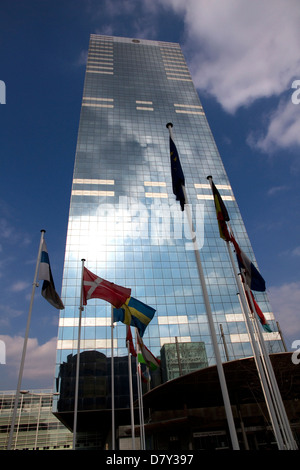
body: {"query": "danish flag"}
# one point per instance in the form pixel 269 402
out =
pixel 96 287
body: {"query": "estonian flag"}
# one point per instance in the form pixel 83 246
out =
pixel 177 175
pixel 45 274
pixel 253 277
pixel 134 313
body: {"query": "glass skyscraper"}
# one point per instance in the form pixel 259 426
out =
pixel 125 222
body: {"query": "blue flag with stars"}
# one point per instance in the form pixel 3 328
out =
pixel 177 175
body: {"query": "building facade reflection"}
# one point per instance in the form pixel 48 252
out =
pixel 124 220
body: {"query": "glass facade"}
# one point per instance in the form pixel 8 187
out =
pixel 36 428
pixel 124 219
pixel 181 358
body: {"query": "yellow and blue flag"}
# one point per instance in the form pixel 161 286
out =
pixel 221 211
pixel 134 313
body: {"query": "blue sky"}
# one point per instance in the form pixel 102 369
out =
pixel 244 57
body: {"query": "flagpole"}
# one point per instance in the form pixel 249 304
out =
pixel 140 399
pixel 281 336
pixel 78 361
pixel 142 424
pixel 227 405
pixel 256 355
pixel 262 360
pixel 34 285
pixel 281 412
pixel 112 382
pixel 269 384
pixel 131 396
pixel 278 397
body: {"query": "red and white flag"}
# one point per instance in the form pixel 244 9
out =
pixel 129 341
pixel 96 287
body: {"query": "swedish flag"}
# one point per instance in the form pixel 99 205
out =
pixel 134 313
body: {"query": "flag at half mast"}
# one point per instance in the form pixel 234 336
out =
pixel 253 278
pixel 45 274
pixel 96 287
pixel 178 180
pixel 221 211
pixel 145 356
pixel 260 314
pixel 129 341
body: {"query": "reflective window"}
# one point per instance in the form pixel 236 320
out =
pixel 124 219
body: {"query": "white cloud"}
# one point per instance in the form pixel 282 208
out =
pixel 283 128
pixel 242 51
pixel 285 301
pixel 19 286
pixel 7 313
pixel 82 59
pixel 39 361
pixel 276 189
pixel 120 7
pixel 296 251
pixel 6 230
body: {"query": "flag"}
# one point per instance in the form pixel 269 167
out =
pixel 45 274
pixel 145 356
pixel 96 287
pixel 222 214
pixel 178 179
pixel 130 341
pixel 254 279
pixel 145 376
pixel 134 313
pixel 261 316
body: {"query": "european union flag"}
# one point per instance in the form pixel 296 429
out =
pixel 134 313
pixel 177 174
